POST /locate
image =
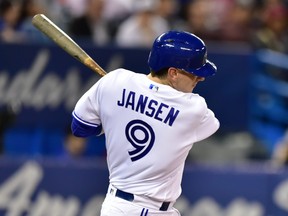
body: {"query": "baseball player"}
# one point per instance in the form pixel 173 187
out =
pixel 150 123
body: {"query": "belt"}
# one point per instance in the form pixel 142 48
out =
pixel 130 197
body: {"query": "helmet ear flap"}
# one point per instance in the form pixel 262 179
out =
pixel 181 50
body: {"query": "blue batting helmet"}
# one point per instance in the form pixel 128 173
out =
pixel 182 50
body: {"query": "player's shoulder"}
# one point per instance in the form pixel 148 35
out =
pixel 120 75
pixel 195 96
pixel 197 100
pixel 120 72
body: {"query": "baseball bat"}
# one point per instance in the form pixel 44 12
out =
pixel 50 29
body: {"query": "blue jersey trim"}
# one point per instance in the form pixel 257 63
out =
pixel 80 129
pixel 83 121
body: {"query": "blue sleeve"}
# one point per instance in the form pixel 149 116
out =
pixel 80 129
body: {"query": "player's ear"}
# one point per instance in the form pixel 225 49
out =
pixel 172 74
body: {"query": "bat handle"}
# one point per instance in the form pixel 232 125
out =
pixel 89 62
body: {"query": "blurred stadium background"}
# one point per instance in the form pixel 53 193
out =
pixel 239 171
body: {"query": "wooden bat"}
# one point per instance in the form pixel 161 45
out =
pixel 50 29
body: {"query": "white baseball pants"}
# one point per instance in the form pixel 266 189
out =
pixel 115 206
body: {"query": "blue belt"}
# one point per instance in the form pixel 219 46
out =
pixel 130 197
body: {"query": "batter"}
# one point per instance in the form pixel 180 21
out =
pixel 150 123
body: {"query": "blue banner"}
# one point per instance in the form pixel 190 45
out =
pixel 77 188
pixel 42 83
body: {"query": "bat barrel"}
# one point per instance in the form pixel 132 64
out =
pixel 45 25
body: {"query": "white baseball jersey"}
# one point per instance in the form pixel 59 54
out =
pixel 149 129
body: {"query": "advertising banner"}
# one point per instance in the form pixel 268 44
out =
pixel 46 187
pixel 40 83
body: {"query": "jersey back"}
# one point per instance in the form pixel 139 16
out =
pixel 149 129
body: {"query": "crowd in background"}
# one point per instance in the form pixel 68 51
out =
pixel 130 23
pixel 136 23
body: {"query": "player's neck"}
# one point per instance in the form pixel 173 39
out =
pixel 158 80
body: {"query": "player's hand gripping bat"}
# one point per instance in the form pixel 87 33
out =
pixel 45 25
